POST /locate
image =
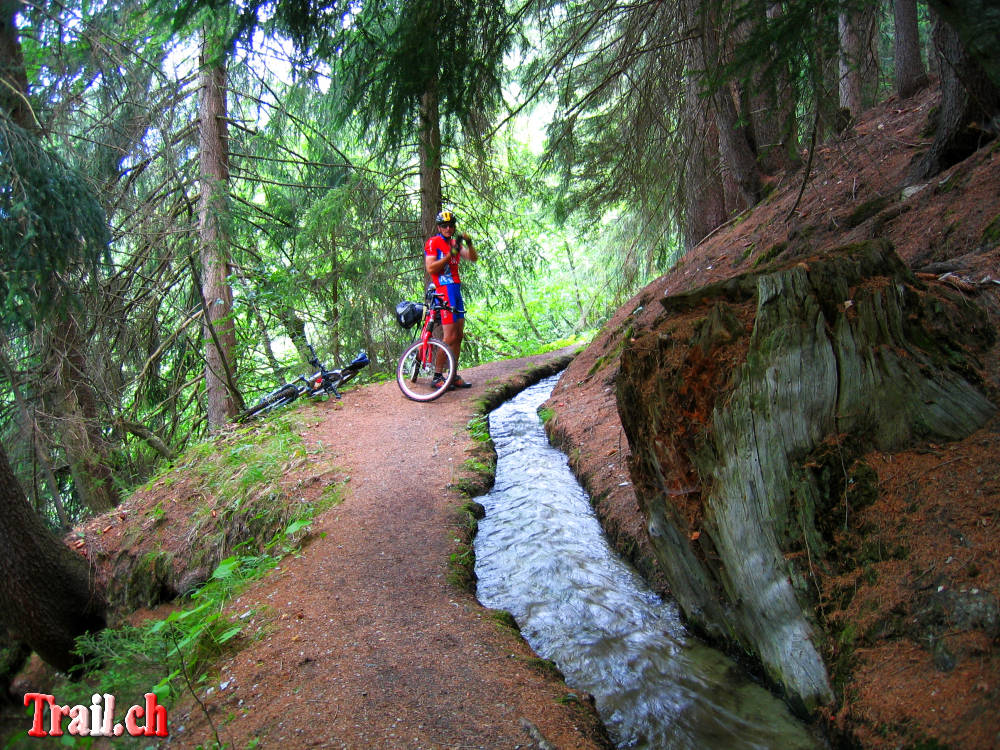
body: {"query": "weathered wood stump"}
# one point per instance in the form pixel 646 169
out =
pixel 742 397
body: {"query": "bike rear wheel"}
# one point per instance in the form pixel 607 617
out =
pixel 284 395
pixel 417 366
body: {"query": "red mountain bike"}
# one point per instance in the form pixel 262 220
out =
pixel 428 355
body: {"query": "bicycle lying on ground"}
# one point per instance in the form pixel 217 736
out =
pixel 427 355
pixel 321 383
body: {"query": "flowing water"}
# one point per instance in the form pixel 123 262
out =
pixel 541 555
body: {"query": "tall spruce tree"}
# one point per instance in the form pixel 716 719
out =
pixel 51 224
pixel 223 398
pixel 420 68
pixel 404 70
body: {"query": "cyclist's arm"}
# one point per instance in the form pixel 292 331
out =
pixel 435 266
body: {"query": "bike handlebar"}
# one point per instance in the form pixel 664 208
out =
pixel 436 302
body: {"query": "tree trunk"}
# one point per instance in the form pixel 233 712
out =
pixel 30 422
pixel 74 404
pixel 704 198
pixel 703 194
pixel 977 24
pixel 46 596
pixel 969 101
pixel 220 335
pixel 13 77
pixel 769 103
pixel 785 105
pixel 295 329
pixel 740 171
pixel 71 396
pixel 849 66
pixel 909 66
pixel 430 164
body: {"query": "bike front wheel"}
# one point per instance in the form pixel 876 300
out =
pixel 417 366
pixel 284 395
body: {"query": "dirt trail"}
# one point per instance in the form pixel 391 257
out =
pixel 370 645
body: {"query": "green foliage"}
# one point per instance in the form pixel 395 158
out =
pixel 396 53
pixel 50 222
pixel 175 654
pixel 479 428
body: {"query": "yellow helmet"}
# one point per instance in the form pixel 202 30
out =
pixel 445 218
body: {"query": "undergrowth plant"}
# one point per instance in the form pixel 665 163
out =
pixel 174 655
pixel 238 473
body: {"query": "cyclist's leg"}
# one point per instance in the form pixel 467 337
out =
pixel 454 328
pixel 452 323
pixel 455 336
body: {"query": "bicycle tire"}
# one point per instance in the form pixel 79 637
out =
pixel 284 395
pixel 414 377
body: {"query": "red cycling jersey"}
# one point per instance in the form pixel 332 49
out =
pixel 438 247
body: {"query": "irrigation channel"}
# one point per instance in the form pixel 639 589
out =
pixel 541 554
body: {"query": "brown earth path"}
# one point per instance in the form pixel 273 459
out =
pixel 369 645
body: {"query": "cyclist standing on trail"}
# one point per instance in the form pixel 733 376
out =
pixel 441 256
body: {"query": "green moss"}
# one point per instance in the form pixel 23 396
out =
pixel 848 635
pixel 505 620
pixel 545 666
pixel 867 210
pixel 991 234
pixel 773 252
pixel 479 428
pixel 462 567
pixel 147 581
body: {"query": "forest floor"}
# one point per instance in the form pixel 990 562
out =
pixel 367 638
pixel 366 641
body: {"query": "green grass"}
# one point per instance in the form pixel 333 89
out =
pixel 479 428
pixel 176 654
pixel 240 476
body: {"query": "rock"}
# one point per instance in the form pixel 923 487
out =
pixel 944 659
pixel 836 355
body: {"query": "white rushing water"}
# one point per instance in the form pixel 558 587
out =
pixel 541 554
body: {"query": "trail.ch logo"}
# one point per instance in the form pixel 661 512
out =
pixel 97 719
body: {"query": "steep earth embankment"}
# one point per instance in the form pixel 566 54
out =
pixel 806 406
